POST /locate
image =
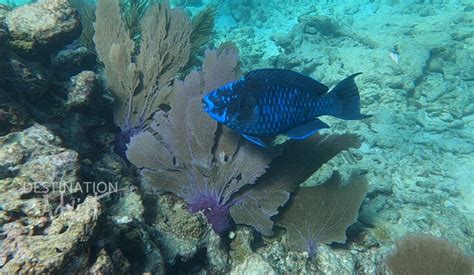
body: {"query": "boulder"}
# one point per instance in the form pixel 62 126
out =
pixel 39 29
pixel 45 228
pixel 83 87
pixel 29 79
pixel 73 60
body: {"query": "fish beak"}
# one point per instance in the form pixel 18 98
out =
pixel 207 104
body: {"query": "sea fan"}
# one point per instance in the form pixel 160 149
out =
pixel 188 154
pixel 139 81
pixel 321 214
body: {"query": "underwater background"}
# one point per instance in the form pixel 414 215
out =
pixel 109 165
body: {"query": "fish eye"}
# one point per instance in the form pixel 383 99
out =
pixel 217 100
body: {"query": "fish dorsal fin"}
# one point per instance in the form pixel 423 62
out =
pixel 288 78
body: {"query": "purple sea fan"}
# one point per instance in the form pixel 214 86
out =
pixel 187 153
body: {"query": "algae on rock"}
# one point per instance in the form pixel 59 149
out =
pixel 40 28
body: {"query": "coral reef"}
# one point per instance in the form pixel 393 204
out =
pixel 56 128
pixel 62 247
pixel 41 228
pixel 415 149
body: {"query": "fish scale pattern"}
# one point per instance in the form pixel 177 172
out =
pixel 269 102
pixel 283 107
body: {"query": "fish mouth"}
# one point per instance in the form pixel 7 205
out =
pixel 206 104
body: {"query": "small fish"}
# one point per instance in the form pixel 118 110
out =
pixel 269 102
pixel 395 57
pixel 394 54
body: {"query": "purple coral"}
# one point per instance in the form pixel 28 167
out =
pixel 216 212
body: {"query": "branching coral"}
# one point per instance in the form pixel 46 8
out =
pixel 137 82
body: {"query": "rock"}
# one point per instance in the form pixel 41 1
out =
pixel 4 10
pixel 12 116
pixel 139 248
pixel 63 247
pixel 3 50
pixel 40 28
pixel 182 235
pixel 73 60
pixel 217 254
pixel 324 25
pixel 282 40
pixel 431 124
pixel 127 228
pixel 34 169
pixel 103 264
pixel 30 79
pixel 129 207
pixel 83 87
pixel 277 254
pixel 253 264
pixel 3 36
pixel 241 245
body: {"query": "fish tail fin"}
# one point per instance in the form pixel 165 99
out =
pixel 346 95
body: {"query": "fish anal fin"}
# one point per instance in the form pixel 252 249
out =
pixel 256 140
pixel 306 130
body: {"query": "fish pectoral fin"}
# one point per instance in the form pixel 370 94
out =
pixel 255 140
pixel 248 116
pixel 306 130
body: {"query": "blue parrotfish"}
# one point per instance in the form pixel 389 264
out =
pixel 270 102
